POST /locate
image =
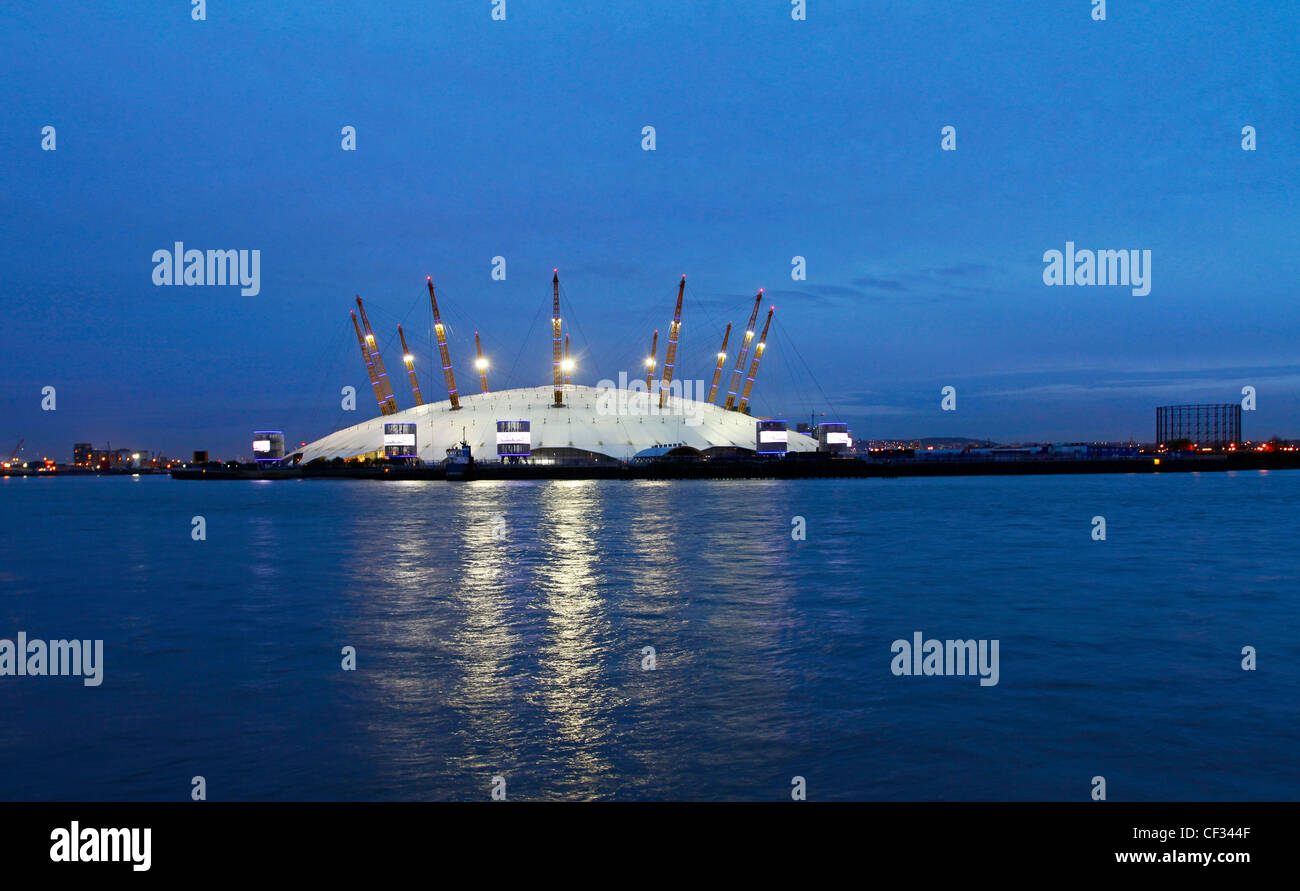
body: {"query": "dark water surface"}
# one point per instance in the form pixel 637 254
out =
pixel 522 657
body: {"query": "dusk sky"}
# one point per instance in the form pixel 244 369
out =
pixel 775 138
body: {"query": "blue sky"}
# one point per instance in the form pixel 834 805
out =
pixel 775 138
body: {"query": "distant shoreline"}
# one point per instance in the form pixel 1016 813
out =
pixel 802 467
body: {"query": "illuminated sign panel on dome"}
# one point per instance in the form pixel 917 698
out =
pixel 399 441
pixel 514 439
pixel 772 437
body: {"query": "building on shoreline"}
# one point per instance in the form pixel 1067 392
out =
pixel 590 425
pixel 1207 426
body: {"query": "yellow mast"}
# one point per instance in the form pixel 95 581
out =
pixel 744 353
pixel 370 367
pixel 650 362
pixel 753 366
pixel 410 367
pixel 671 356
pixel 480 363
pixel 717 372
pixel 558 372
pixel 442 349
pixel 384 389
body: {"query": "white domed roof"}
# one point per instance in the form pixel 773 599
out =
pixel 616 423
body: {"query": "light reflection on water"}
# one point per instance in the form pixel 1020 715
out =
pixel 574 652
pixel 480 655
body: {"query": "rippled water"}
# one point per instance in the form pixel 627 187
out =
pixel 521 655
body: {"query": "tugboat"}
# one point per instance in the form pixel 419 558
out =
pixel 459 461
